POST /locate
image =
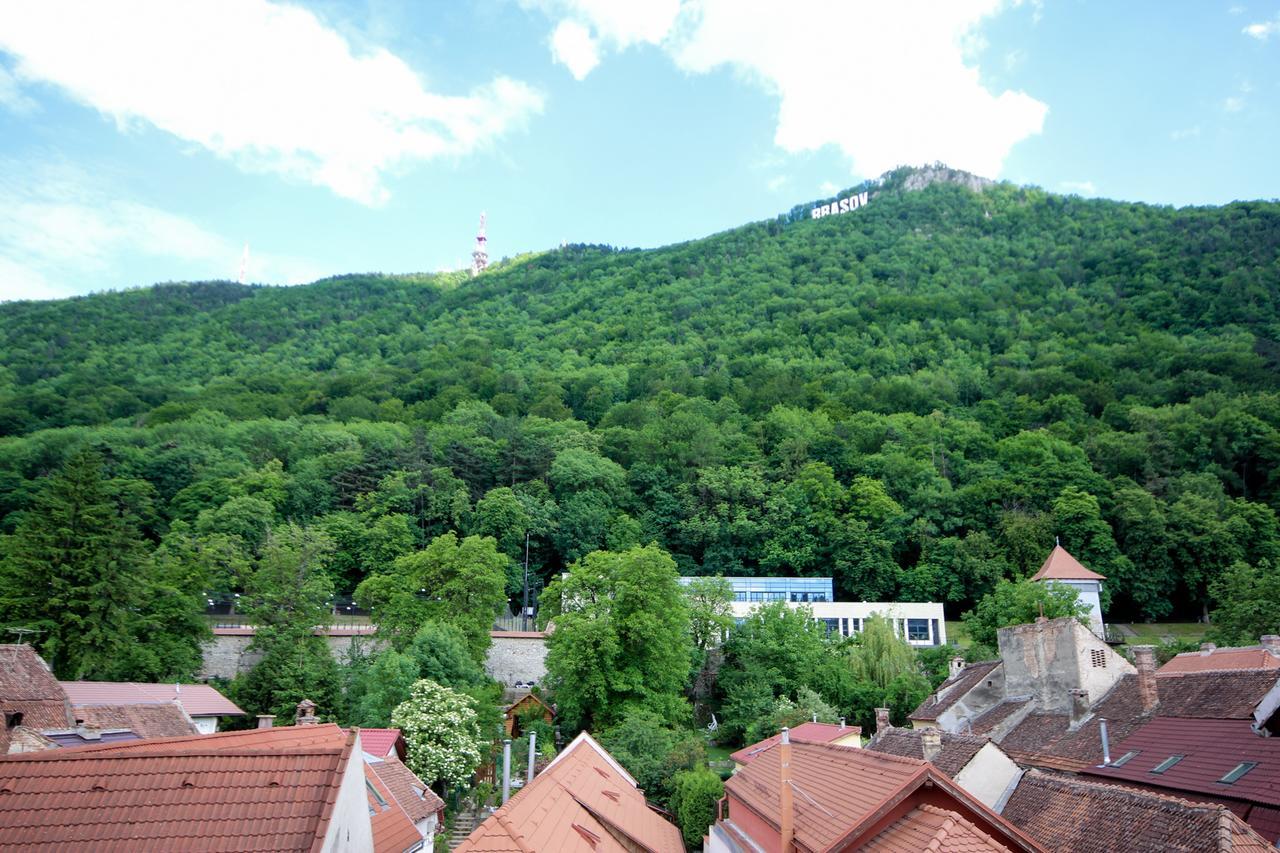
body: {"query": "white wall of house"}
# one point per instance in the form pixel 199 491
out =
pixel 1090 593
pixel 350 829
pixel 988 774
pixel 205 725
pixel 922 622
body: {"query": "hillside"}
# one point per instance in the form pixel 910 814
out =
pixel 915 397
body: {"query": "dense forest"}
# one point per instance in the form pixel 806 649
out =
pixel 915 398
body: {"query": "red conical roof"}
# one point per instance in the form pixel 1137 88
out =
pixel 1061 566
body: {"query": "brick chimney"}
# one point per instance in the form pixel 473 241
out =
pixel 1079 706
pixel 957 665
pixel 1271 642
pixel 930 743
pixel 1144 658
pixel 266 721
pixel 787 817
pixel 306 715
pixel 882 721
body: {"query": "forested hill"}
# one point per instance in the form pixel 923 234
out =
pixel 915 397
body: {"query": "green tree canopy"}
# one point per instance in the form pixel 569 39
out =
pixel 1020 603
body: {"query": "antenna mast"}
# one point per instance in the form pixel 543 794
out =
pixel 244 263
pixel 480 257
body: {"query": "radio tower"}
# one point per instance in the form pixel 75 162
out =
pixel 244 262
pixel 480 257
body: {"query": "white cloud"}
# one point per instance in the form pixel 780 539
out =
pixel 1233 103
pixel 574 48
pixel 11 95
pixel 60 231
pixel 266 86
pixel 588 28
pixel 1079 187
pixel 1263 30
pixel 1185 133
pixel 887 85
pixel 827 188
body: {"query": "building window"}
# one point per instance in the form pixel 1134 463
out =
pixel 1239 770
pixel 1167 763
pixel 1126 758
pixel 937 635
pixel 818 596
pixel 739 595
pixel 831 624
pixel 855 625
pixel 757 596
pixel 1098 658
pixel 918 630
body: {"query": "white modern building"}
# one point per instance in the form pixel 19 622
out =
pixel 920 623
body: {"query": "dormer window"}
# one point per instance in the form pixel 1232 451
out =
pixel 1125 759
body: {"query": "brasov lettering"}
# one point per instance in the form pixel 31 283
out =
pixel 844 205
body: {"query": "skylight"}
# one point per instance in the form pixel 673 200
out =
pixel 1239 770
pixel 1167 763
pixel 1125 759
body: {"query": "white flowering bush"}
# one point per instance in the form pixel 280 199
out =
pixel 442 732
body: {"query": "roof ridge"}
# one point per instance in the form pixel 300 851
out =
pixel 88 753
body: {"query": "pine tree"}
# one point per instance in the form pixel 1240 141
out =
pixel 79 570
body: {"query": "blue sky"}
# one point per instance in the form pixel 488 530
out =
pixel 351 137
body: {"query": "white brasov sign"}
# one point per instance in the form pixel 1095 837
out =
pixel 844 205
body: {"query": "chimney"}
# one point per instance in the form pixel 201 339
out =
pixel 306 714
pixel 1207 648
pixel 842 722
pixel 815 716
pixel 1079 706
pixel 266 721
pixel 957 666
pixel 1271 642
pixel 882 721
pixel 1144 658
pixel 787 819
pixel 1106 744
pixel 930 742
pixel 506 769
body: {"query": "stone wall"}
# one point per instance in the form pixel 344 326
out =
pixel 515 656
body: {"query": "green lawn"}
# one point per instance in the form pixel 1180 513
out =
pixel 717 753
pixel 1155 633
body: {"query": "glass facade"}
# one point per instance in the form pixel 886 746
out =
pixel 804 590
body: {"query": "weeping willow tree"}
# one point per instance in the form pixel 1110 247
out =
pixel 880 655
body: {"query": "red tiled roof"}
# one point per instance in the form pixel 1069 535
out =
pixel 957 750
pixel 418 801
pixel 803 733
pixel 1248 657
pixel 1212 748
pixel 199 700
pixel 28 687
pixel 146 721
pixel 260 791
pixel 988 720
pixel 1072 814
pixel 379 742
pixel 579 803
pixel 1061 566
pixel 840 793
pixel 953 690
pixel 930 828
pixel 1216 695
pixel 393 831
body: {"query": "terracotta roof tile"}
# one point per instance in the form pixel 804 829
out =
pixel 988 720
pixel 1061 566
pixel 953 689
pixel 379 742
pixel 393 831
pixel 579 803
pixel 1212 749
pixel 930 828
pixel 25 676
pixel 1247 657
pixel 418 801
pixel 803 733
pixel 145 721
pixel 199 700
pixel 1218 695
pixel 1072 814
pixel 957 750
pixel 170 794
